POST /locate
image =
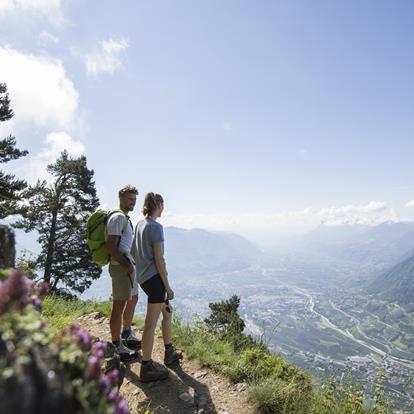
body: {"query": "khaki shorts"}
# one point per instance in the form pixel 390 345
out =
pixel 121 283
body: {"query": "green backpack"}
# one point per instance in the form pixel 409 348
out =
pixel 96 234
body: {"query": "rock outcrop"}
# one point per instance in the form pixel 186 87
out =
pixel 7 247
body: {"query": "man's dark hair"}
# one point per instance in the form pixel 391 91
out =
pixel 129 189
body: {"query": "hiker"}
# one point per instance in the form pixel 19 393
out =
pixel 122 271
pixel 148 252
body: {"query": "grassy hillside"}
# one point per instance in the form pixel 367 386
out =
pixel 275 386
pixel 396 284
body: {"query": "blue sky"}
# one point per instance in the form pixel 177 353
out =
pixel 246 116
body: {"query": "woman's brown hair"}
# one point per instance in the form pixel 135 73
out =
pixel 151 202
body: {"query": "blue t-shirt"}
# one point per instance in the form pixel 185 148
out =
pixel 147 232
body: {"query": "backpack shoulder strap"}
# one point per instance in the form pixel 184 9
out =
pixel 118 210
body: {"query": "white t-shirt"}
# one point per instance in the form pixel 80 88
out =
pixel 114 227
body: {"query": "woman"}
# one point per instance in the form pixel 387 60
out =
pixel 148 251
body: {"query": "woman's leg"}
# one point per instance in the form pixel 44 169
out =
pixel 166 324
pixel 151 319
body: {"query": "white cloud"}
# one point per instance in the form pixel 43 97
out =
pixel 410 204
pixel 107 56
pixel 51 9
pixel 39 89
pixel 373 213
pixel 46 39
pixel 56 142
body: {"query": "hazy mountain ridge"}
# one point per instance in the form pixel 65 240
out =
pixel 378 247
pixel 199 251
pixel 396 284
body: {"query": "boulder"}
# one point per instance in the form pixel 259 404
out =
pixel 7 247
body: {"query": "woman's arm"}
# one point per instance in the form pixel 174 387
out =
pixel 162 269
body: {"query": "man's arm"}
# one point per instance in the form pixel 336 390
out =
pixel 162 269
pixel 112 246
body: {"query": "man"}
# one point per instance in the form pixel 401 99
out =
pixel 122 271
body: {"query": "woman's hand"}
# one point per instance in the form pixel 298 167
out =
pixel 170 294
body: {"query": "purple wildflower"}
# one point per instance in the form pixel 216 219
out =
pixel 121 407
pixel 15 292
pixel 4 298
pixel 113 393
pixel 99 349
pixel 73 329
pixel 84 339
pixel 113 376
pixel 42 288
pixel 93 368
pixel 36 303
pixel 105 384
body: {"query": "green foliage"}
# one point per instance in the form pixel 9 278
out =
pixel 10 186
pixel 61 312
pixel 225 322
pixel 274 382
pixel 349 397
pixel 381 401
pixel 27 263
pixel 276 396
pixel 253 365
pixel 275 385
pixel 58 211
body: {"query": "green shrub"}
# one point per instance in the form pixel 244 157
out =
pixel 274 395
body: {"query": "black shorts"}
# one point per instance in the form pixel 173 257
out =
pixel 154 289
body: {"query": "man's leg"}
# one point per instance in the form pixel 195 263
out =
pixel 115 322
pixel 129 312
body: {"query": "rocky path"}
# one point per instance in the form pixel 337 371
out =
pixel 189 389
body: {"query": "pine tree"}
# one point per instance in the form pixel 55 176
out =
pixel 226 322
pixel 10 186
pixel 224 317
pixel 58 211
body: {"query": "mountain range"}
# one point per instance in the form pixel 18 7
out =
pixel 198 251
pixel 378 247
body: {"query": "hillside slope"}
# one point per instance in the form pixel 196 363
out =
pixel 396 284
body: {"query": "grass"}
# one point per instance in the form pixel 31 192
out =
pixel 275 385
pixel 60 312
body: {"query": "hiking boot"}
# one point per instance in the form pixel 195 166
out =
pixel 172 355
pixel 150 372
pixel 132 342
pixel 126 354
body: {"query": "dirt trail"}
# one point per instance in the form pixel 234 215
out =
pixel 190 388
